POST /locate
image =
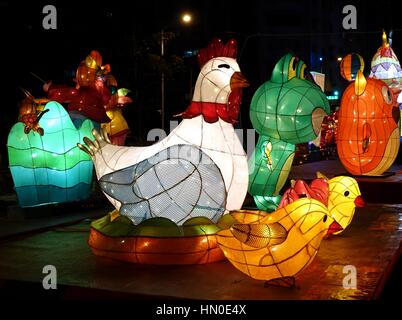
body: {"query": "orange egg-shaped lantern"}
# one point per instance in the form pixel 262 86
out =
pixel 350 65
pixel 368 127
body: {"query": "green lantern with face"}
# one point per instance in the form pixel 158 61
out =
pixel 285 111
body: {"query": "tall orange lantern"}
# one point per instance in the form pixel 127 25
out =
pixel 368 127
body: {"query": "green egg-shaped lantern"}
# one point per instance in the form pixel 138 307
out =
pixel 285 111
pixel 50 168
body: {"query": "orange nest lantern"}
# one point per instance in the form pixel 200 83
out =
pixel 156 241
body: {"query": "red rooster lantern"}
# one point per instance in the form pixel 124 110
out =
pixel 96 96
pixel 368 127
pixel 90 96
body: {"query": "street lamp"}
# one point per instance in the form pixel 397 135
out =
pixel 321 60
pixel 186 19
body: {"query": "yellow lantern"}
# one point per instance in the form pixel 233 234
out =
pixel 117 128
pixel 344 197
pixel 340 194
pixel 277 245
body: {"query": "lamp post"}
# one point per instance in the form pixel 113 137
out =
pixel 162 82
pixel 186 18
pixel 321 59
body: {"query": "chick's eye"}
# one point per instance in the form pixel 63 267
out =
pixel 224 65
pixel 346 193
pixel 325 218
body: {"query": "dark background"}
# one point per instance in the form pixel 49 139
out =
pixel 126 34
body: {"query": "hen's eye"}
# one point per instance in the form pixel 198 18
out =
pixel 346 193
pixel 325 218
pixel 224 65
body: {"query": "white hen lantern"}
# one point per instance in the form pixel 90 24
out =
pixel 164 180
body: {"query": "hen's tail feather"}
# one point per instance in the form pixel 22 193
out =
pixel 92 147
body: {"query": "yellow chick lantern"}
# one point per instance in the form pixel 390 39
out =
pixel 279 245
pixel 344 197
pixel 340 194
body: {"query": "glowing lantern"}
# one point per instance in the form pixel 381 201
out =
pixel 117 129
pixel 350 65
pixel 197 172
pixel 131 176
pixel 85 76
pixel 344 197
pixel 285 111
pixel 93 60
pixel 318 189
pixel 329 131
pixel 30 112
pixel 278 245
pixel 95 97
pixel 340 194
pixel 385 64
pixel 90 96
pixel 50 168
pixel 368 127
pixel 156 241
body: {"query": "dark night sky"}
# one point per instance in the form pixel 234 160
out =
pixel 116 29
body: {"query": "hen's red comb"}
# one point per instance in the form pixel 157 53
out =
pixel 217 48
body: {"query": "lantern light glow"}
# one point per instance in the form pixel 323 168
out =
pixel 50 168
pixel 368 127
pixel 201 166
pixel 277 245
pixel 285 111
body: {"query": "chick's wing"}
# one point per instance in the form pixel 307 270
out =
pixel 259 235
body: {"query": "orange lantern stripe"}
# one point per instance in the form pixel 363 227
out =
pixel 350 65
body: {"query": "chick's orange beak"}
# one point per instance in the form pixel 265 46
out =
pixel 238 81
pixel 334 227
pixel 359 202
